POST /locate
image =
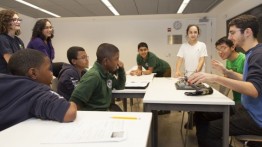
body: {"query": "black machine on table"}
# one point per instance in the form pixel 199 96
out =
pixel 200 88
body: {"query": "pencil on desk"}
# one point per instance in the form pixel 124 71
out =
pixel 125 117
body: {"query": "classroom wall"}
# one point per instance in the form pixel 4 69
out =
pixel 127 31
pixel 124 31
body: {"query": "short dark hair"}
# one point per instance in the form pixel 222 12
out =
pixel 142 44
pixel 72 53
pixel 22 60
pixel 246 21
pixel 192 25
pixel 106 50
pixel 38 30
pixel 6 17
pixel 225 40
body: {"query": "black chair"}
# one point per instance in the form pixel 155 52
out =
pixel 57 66
pixel 248 138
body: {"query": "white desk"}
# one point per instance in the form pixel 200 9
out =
pixel 132 93
pixel 30 133
pixel 162 95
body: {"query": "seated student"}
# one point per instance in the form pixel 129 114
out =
pixel 27 94
pixel 234 61
pixel 150 62
pixel 70 74
pixel 94 91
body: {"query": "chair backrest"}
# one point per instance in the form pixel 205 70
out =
pixel 224 90
pixel 57 66
pixel 54 84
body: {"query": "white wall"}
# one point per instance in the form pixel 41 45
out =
pixel 127 31
pixel 124 31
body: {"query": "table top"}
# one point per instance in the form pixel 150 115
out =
pixel 163 90
pixel 31 133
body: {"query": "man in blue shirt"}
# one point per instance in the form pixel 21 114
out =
pixel 246 118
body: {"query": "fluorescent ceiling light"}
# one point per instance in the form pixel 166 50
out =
pixel 38 8
pixel 110 7
pixel 183 6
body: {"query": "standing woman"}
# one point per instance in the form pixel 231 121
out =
pixel 9 42
pixel 42 34
pixel 193 53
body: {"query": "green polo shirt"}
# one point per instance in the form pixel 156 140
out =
pixel 237 66
pixel 94 91
pixel 160 66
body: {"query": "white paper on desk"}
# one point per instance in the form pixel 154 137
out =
pixel 89 131
pixel 136 84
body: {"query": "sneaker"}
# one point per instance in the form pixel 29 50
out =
pixel 162 112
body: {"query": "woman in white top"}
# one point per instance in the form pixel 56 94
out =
pixel 193 53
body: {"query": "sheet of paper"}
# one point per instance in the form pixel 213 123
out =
pixel 88 131
pixel 136 84
pixel 143 78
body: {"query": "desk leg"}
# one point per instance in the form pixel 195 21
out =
pixel 154 134
pixel 125 104
pixel 226 127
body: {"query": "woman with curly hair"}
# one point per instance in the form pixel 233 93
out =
pixel 9 42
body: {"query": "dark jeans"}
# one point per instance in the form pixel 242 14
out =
pixel 209 126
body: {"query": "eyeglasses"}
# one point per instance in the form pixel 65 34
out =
pixel 221 49
pixel 49 27
pixel 16 19
pixel 84 58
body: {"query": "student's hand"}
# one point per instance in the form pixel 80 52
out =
pixel 120 64
pixel 133 72
pixel 178 74
pixel 139 72
pixel 218 66
pixel 201 77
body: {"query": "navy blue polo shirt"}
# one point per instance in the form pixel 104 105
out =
pixel 9 45
pixel 22 98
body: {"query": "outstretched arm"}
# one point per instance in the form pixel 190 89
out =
pixel 243 87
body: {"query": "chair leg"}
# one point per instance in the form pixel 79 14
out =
pixel 184 139
pixel 181 128
pixel 189 122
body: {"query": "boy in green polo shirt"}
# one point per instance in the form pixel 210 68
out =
pixel 151 63
pixel 94 91
pixel 234 61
